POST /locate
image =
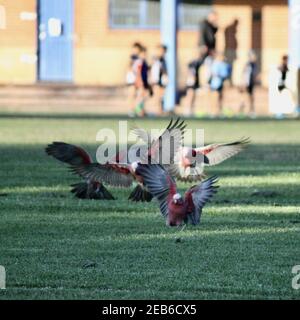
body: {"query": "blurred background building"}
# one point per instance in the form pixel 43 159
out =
pixel 64 46
pixel 88 42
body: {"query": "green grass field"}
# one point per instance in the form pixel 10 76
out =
pixel 54 246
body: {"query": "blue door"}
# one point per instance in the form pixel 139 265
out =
pixel 55 40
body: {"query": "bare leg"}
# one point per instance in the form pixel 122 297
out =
pixel 251 104
pixel 161 99
pixel 242 104
pixel 190 101
pixel 158 94
pixel 140 102
pixel 220 102
pixel 131 95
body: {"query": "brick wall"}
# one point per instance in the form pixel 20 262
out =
pixel 274 33
pixel 275 37
pixel 227 14
pixel 101 54
pixel 18 43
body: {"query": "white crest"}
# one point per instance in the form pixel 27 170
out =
pixel 177 196
pixel 134 165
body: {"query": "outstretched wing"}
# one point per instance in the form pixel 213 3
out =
pixel 68 153
pixel 158 183
pixel 217 153
pixel 142 134
pixel 163 149
pixel 111 174
pixel 197 196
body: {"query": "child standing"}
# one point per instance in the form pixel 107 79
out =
pixel 220 71
pixel 141 83
pixel 193 81
pixel 131 74
pixel 159 76
pixel 249 81
pixel 283 69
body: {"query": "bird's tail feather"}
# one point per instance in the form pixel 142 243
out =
pixel 81 191
pixel 140 194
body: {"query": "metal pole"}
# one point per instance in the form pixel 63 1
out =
pixel 168 30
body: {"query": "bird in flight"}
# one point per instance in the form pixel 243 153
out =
pixel 76 156
pixel 121 173
pixel 187 163
pixel 190 163
pixel 175 208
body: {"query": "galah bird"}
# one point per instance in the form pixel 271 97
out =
pixel 188 163
pixel 116 175
pixel 122 174
pixel 175 208
pixel 74 156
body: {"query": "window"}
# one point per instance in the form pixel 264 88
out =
pixel 190 13
pixel 2 18
pixel 145 14
pixel 134 14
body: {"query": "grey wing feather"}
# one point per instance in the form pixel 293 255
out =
pixel 164 148
pixel 105 173
pixel 222 152
pixel 201 194
pixel 156 179
pixel 142 134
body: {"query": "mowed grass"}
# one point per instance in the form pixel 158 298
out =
pixel 54 246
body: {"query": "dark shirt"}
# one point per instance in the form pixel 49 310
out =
pixel 163 66
pixel 283 68
pixel 253 73
pixel 208 35
pixel 133 57
pixel 144 73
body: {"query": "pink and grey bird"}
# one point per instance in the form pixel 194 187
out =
pixel 189 163
pixel 174 207
pixel 120 173
pixel 77 156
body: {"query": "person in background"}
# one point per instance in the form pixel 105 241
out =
pixel 131 74
pixel 286 96
pixel 249 76
pixel 141 83
pixel 283 69
pixel 220 71
pixel 208 30
pixel 193 79
pixel 159 76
